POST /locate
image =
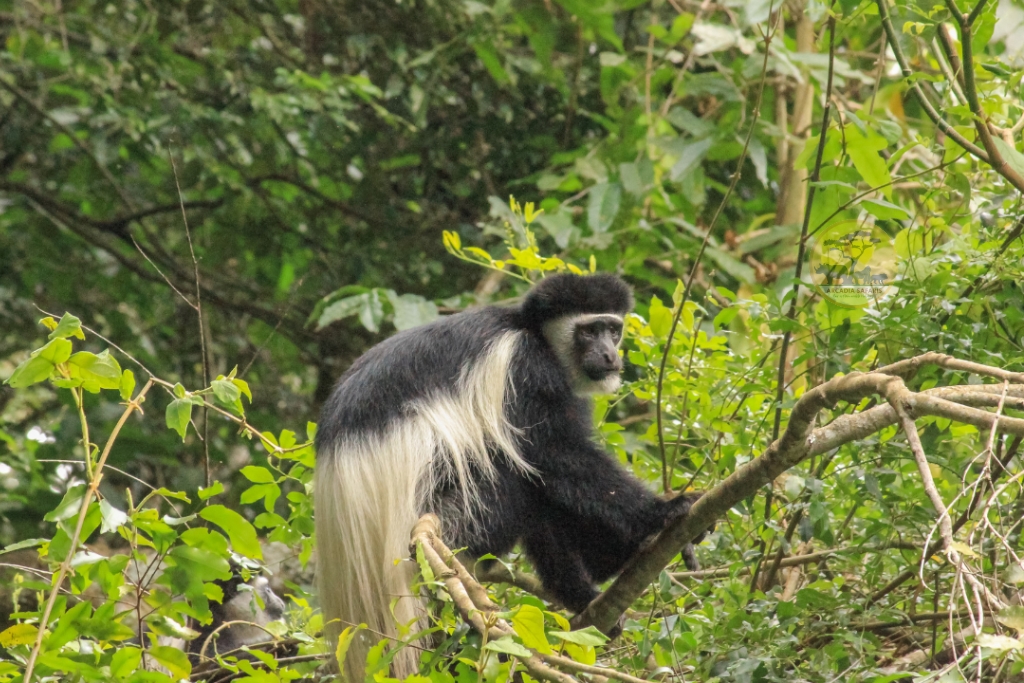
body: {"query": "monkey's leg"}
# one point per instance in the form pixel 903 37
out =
pixel 558 562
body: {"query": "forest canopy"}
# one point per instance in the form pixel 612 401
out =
pixel 209 210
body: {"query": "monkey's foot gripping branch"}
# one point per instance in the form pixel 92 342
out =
pixel 477 608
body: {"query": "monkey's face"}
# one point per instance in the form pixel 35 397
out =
pixel 596 347
pixel 587 346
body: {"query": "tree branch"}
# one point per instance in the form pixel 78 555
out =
pixel 477 608
pixel 799 441
pixel 996 158
pixel 926 104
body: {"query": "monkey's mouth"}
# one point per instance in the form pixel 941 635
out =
pixel 599 374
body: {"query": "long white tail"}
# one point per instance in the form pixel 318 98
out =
pixel 371 489
pixel 365 508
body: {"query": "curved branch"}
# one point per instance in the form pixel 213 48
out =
pixel 477 608
pixel 799 441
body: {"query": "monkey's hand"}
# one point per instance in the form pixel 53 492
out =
pixel 680 505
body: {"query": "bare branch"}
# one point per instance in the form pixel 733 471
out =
pixel 794 561
pixel 477 608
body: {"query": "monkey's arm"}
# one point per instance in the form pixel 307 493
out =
pixel 573 473
pixel 577 476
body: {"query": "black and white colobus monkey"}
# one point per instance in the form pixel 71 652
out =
pixel 481 418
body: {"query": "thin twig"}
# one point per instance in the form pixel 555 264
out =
pixel 769 35
pixel 199 313
pixel 780 378
pixel 65 566
pixel 915 87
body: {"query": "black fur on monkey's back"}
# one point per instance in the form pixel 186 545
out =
pixel 579 515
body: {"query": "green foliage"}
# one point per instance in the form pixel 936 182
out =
pixel 169 563
pixel 344 173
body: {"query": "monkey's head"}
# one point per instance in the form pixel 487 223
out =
pixel 580 317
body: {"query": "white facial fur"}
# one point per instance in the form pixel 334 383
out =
pixel 559 334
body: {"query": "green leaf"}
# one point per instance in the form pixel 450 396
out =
pixel 731 265
pixel 411 310
pixel 1014 158
pixel 19 634
pixel 885 210
pixel 69 326
pixel 33 371
pixel 226 391
pixel 201 563
pixel 910 243
pixel 690 154
pixel 983 28
pixel 366 306
pixel 268 492
pixel 681 25
pixel 69 505
pixel 528 622
pixel 67 627
pixel 589 636
pixel 344 641
pixel 559 225
pixel 202 537
pixel 243 386
pixel 403 161
pixel 863 151
pixel 125 661
pixel 810 148
pixel 175 659
pixel 960 183
pixel 1012 616
pixel 491 61
pixel 286 439
pixel 507 646
pixel 127 386
pixel 964 549
pixel 660 318
pixel 239 530
pixel 167 493
pixel 97 371
pixel 605 199
pixel 111 516
pixel 179 412
pixel 258 475
pixel 56 351
pixel 1000 643
pixel 21 545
